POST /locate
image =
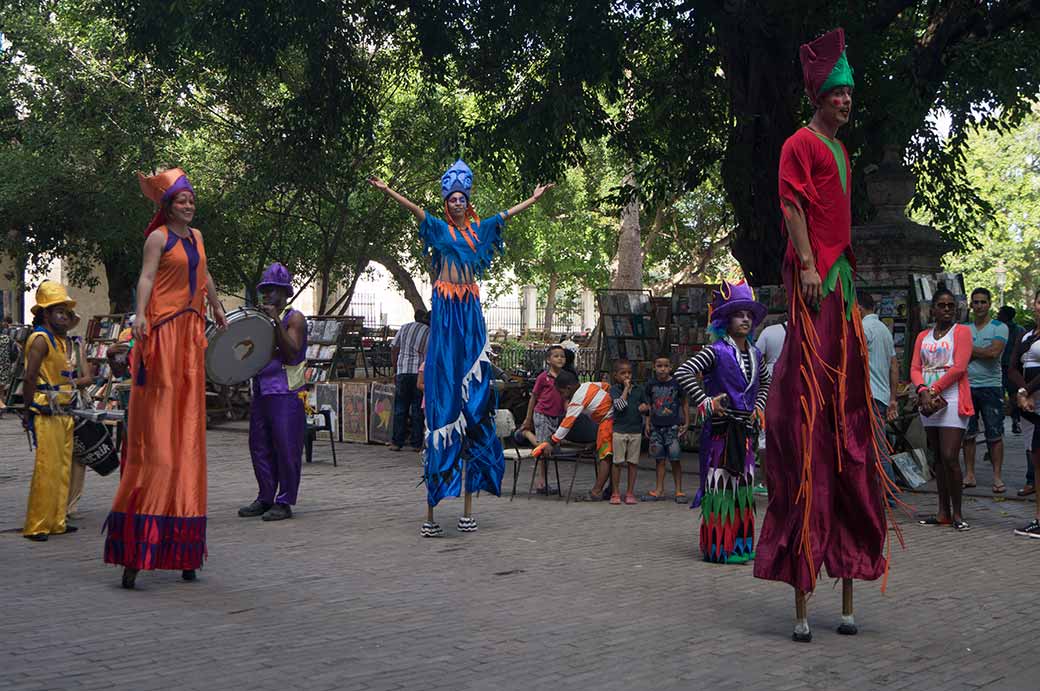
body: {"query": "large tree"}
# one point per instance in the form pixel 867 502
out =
pixel 556 74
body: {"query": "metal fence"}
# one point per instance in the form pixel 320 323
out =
pixel 364 305
pixel 564 321
pixel 505 314
pixel 532 360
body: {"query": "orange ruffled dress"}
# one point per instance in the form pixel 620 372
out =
pixel 158 517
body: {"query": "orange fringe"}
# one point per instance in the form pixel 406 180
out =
pixel 810 407
pixel 459 291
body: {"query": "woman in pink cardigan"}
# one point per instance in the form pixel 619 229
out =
pixel 940 373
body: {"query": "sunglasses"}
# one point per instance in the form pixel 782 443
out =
pixel 945 305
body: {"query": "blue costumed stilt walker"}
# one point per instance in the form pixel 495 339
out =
pixel 460 400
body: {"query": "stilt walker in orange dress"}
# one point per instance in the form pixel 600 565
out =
pixel 158 517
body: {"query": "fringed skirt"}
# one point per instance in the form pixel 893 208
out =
pixel 727 501
pixel 158 517
pixel 460 399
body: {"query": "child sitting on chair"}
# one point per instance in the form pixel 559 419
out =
pixel 594 400
pixel 544 410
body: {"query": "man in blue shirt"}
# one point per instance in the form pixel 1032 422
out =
pixel 987 389
pixel 884 368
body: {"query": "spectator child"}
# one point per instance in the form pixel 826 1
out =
pixel 629 405
pixel 592 399
pixel 545 409
pixel 667 423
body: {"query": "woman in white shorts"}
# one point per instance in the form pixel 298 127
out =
pixel 940 374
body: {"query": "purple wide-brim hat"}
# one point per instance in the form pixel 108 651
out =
pixel 733 297
pixel 278 276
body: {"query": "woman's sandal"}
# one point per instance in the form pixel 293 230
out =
pixel 961 526
pixel 934 520
pixel 999 489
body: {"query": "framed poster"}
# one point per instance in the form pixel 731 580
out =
pixel 354 412
pixel 380 429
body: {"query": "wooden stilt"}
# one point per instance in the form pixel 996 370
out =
pixel 800 609
pixel 848 624
pixel 467 507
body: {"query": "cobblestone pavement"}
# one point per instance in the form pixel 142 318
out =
pixel 545 595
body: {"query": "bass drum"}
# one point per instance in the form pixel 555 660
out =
pixel 239 353
pixel 92 446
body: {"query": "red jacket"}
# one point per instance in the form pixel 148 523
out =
pixel 958 374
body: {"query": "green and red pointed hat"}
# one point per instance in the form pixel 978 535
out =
pixel 824 65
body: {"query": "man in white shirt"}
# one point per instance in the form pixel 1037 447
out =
pixel 408 350
pixel 884 369
pixel 771 342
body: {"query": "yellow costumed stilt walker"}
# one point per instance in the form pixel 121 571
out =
pixel 48 391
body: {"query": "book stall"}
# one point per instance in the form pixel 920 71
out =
pixel 628 329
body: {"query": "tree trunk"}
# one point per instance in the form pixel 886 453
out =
pixel 343 304
pixel 760 59
pixel 403 278
pixel 629 259
pixel 121 285
pixel 550 301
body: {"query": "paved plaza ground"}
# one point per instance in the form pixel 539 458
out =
pixel 545 595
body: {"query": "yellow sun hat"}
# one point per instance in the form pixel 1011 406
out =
pixel 49 294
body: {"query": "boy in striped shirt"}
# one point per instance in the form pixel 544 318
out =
pixel 594 400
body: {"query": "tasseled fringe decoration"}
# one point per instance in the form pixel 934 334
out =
pixel 158 542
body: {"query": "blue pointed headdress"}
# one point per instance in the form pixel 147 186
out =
pixel 457 178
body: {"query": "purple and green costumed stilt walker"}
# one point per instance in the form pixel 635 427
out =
pixel 733 366
pixel 277 420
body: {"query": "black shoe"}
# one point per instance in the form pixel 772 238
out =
pixel 848 629
pixel 802 637
pixel 129 577
pixel 278 512
pixel 38 537
pixel 188 575
pixel 257 508
pixel 1031 530
pixel 68 529
pixel 1016 428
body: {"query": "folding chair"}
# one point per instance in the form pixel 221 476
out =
pixel 312 433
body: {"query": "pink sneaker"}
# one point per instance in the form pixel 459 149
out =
pixel 615 498
pixel 631 499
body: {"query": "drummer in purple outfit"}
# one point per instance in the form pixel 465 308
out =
pixel 277 422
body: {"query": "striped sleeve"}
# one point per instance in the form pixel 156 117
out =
pixel 765 378
pixel 590 397
pixel 687 374
pixel 575 407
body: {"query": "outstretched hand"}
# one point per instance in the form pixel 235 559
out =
pixel 541 189
pixel 378 184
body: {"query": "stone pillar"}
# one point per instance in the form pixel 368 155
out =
pixel 891 247
pixel 588 310
pixel 529 309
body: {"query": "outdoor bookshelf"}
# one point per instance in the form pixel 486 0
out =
pixel 334 348
pixel 628 329
pixel 688 331
pixel 102 331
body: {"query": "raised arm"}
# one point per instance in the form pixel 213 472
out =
pixel 419 214
pixel 538 192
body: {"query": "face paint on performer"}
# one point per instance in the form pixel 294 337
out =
pixel 835 106
pixel 58 319
pixel 740 323
pixel 182 208
pixel 457 204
